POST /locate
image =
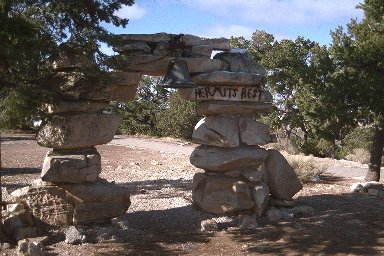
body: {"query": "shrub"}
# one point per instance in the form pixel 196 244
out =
pixel 306 168
pixel 359 138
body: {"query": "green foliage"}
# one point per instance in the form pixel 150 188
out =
pixel 179 119
pixel 360 137
pixel 19 108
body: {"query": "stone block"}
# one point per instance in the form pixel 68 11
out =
pixel 16 218
pixel 261 198
pixel 240 60
pixel 134 48
pixel 76 203
pixel 229 78
pixel 76 167
pixel 80 130
pixel 219 194
pixel 218 44
pixel 217 131
pixel 217 159
pixel 280 176
pixel 207 108
pixel 253 132
pixel 201 51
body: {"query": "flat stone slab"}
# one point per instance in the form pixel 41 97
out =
pixel 73 167
pixel 80 130
pixel 226 93
pixel 240 60
pixel 76 203
pixel 229 78
pixel 217 131
pixel 280 176
pixel 219 194
pixel 206 108
pixel 217 159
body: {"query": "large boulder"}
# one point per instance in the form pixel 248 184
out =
pixel 75 203
pixel 260 197
pixel 217 131
pixel 78 130
pixel 253 132
pixel 76 166
pixel 217 159
pixel 229 78
pixel 220 194
pixel 240 60
pixel 280 176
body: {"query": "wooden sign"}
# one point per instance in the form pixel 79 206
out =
pixel 227 93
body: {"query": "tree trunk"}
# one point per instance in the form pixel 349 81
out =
pixel 373 173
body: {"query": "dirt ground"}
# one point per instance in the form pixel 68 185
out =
pixel 163 220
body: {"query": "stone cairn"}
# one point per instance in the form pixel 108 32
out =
pixel 239 174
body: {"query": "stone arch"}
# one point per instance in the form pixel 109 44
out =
pixel 229 88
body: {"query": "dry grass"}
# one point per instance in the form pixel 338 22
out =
pixel 359 155
pixel 306 167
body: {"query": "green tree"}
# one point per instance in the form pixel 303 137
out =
pixel 32 32
pixel 359 54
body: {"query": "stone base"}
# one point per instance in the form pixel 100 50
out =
pixel 76 203
pixel 71 166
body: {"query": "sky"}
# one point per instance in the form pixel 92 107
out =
pixel 284 19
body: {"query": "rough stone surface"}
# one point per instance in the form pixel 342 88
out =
pixel 219 44
pixel 134 48
pixel 201 51
pixel 252 174
pixel 240 60
pixel 75 167
pixel 216 131
pixel 220 194
pixel 78 130
pixel 209 225
pixel 376 192
pixel 120 222
pixel 225 159
pixel 207 108
pixel 74 236
pixel 261 198
pixel 253 132
pixel 274 215
pixel 280 176
pixel 281 203
pixel 229 78
pixel 76 203
pixel 24 232
pixel 27 247
pixel 248 222
pixel 303 211
pixel 15 219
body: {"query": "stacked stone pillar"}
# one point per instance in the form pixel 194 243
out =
pixel 70 190
pixel 239 174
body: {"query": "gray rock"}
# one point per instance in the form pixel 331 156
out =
pixel 225 159
pixel 209 225
pixel 206 108
pixel 248 222
pixel 376 192
pixel 76 167
pixel 74 236
pixel 229 78
pixel 15 218
pixel 252 174
pixel 219 194
pixel 261 198
pixel 134 48
pixel 240 61
pixel 219 44
pixel 76 203
pixel 78 130
pixel 216 131
pixel 274 215
pixel 373 185
pixel 120 222
pixel 201 51
pixel 253 132
pixel 24 232
pixel 281 203
pixel 303 211
pixel 280 176
pixel 357 187
pixel 27 247
pixel 204 65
